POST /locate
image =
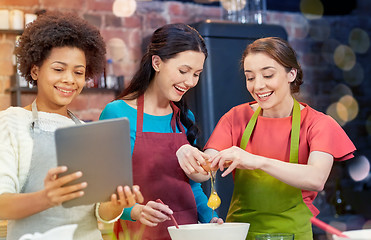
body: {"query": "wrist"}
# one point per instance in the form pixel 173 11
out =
pixel 136 211
pixel 45 202
pixel 261 162
pixel 116 214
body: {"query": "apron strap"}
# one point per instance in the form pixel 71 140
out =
pixel 35 116
pixel 295 131
pixel 175 119
pixel 249 128
pixel 140 109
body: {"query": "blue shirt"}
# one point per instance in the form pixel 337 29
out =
pixel 161 124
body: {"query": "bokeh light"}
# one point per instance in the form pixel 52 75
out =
pixel 328 49
pixel 117 50
pixel 344 57
pixel 311 9
pixel 354 77
pixel 302 27
pixel 359 40
pixel 319 29
pixel 359 168
pixel 124 8
pixel 352 108
pixel 231 5
pixel 334 109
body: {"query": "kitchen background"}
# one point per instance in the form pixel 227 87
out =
pixel 331 38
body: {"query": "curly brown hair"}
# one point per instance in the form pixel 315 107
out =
pixel 56 29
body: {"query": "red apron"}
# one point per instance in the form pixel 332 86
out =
pixel 157 171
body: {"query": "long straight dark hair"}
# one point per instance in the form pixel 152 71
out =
pixel 166 42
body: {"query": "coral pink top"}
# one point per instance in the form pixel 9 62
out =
pixel 271 137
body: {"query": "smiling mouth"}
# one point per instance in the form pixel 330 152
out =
pixel 64 90
pixel 265 95
pixel 180 89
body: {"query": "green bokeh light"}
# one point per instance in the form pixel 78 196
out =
pixel 359 40
pixel 311 9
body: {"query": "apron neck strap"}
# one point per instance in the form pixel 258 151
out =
pixel 295 131
pixel 35 115
pixel 174 119
pixel 140 109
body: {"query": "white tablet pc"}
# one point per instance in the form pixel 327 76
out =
pixel 101 151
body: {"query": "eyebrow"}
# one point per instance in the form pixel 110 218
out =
pixel 65 64
pixel 187 66
pixel 264 68
pixel 190 68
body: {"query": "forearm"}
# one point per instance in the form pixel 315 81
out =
pixel 20 205
pixel 309 176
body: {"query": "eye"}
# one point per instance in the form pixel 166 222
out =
pixel 268 76
pixel 249 78
pixel 79 73
pixel 196 75
pixel 58 69
pixel 182 72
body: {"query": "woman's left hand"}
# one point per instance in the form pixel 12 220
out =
pixel 124 198
pixel 234 157
pixel 217 220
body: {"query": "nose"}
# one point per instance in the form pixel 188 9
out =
pixel 69 77
pixel 192 81
pixel 259 82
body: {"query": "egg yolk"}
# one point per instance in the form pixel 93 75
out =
pixel 214 201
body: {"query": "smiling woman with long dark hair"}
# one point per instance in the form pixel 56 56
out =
pixel 160 123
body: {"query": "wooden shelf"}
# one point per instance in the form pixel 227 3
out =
pixel 11 31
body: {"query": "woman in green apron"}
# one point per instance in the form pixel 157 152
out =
pixel 279 150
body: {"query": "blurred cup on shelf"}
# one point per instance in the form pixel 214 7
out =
pixel 4 19
pixel 16 19
pixel 258 11
pixel 29 17
pixel 235 10
pixel 275 236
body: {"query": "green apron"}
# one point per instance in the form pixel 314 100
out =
pixel 269 205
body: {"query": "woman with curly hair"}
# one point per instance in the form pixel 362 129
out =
pixel 57 53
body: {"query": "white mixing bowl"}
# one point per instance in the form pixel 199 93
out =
pixel 364 234
pixel 230 231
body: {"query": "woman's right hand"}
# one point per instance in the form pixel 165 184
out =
pixel 152 213
pixel 192 160
pixel 55 192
